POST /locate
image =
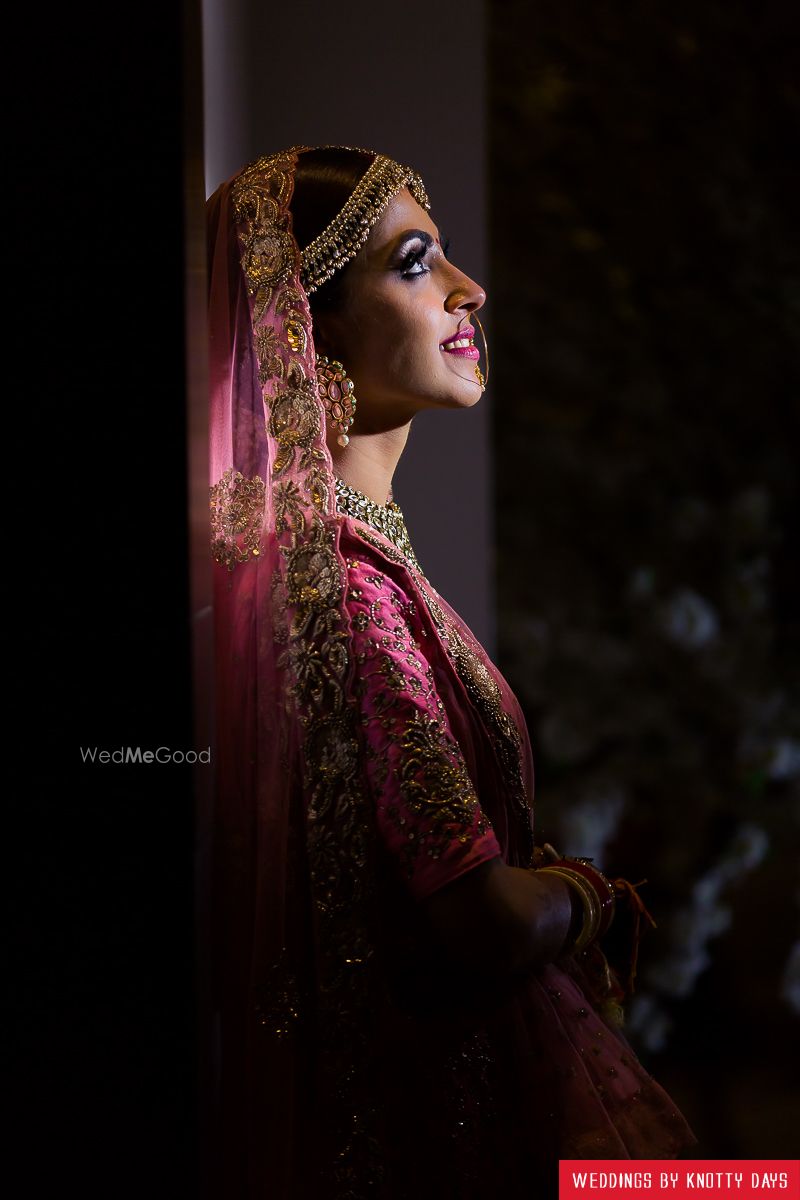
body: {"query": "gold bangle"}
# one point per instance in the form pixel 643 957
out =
pixel 592 913
pixel 594 899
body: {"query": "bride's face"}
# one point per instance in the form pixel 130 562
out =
pixel 402 301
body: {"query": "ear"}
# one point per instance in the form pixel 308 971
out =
pixel 323 342
pixel 327 334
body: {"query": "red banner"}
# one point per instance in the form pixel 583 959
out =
pixel 714 1179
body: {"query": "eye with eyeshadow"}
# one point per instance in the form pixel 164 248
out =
pixel 413 265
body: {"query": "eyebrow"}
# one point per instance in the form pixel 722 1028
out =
pixel 415 235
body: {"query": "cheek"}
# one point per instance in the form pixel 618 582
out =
pixel 404 324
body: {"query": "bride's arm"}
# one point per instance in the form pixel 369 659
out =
pixel 485 916
pixel 497 918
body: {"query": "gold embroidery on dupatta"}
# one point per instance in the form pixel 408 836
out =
pixel 288 505
pixel 294 423
pixel 237 518
pixel 270 363
pixel 308 607
pixel 289 303
pixel 268 252
pixel 313 576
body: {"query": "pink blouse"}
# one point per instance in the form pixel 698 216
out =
pixel 428 812
pixel 516 1077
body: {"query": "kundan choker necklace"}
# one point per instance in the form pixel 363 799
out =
pixel 385 518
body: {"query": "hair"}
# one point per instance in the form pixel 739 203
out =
pixel 324 179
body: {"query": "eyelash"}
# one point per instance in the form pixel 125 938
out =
pixel 412 259
pixel 415 257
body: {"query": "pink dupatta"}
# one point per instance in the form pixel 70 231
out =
pixel 292 950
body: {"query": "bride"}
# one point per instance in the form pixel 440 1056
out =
pixel 409 998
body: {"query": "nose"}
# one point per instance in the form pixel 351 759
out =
pixel 465 296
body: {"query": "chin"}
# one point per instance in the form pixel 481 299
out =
pixel 461 392
pixel 466 396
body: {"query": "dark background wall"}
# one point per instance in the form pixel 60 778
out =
pixel 644 266
pixel 98 959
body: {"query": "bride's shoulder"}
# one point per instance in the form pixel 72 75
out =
pixel 365 548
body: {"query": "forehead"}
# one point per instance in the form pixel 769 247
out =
pixel 401 214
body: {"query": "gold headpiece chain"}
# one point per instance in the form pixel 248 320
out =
pixel 342 239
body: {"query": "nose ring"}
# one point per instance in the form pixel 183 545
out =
pixel 479 375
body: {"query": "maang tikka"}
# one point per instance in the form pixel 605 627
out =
pixel 336 392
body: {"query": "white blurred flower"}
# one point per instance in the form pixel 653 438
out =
pixel 648 1022
pixel 784 760
pixel 587 827
pixel 705 917
pixel 688 620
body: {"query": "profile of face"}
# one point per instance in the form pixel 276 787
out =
pixel 403 300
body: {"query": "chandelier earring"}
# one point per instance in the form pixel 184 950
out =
pixel 479 375
pixel 336 393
